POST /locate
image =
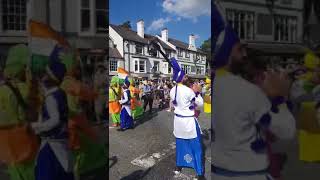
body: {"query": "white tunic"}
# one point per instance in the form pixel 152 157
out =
pixel 59 147
pixel 184 127
pixel 238 105
pixel 124 100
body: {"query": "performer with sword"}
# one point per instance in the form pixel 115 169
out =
pixel 189 152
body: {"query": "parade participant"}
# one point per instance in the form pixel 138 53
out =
pixel 189 152
pixel 18 146
pixel 305 96
pixel 141 90
pixel 207 96
pixel 126 121
pixel 255 69
pixel 170 103
pixel 114 97
pixel 136 106
pixel 243 112
pixel 147 96
pixel 99 86
pixel 54 157
pixel 88 153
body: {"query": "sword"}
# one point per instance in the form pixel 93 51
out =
pixel 154 46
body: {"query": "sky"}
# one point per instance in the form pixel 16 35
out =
pixel 181 17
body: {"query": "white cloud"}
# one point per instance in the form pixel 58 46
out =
pixel 190 9
pixel 158 24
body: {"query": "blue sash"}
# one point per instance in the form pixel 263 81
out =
pixel 181 116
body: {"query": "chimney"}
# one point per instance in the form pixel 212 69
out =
pixel 164 35
pixel 192 42
pixel 140 28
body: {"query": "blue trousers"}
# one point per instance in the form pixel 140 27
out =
pixel 49 168
pixel 126 121
pixel 189 153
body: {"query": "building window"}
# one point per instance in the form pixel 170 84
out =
pixel 202 71
pixel 242 22
pixel 198 56
pixel 101 16
pixel 193 69
pixel 140 66
pixel 136 66
pixel 14 15
pixel 179 52
pixel 198 68
pixel 285 28
pixel 187 54
pixel 113 65
pixel 139 49
pixel 85 15
pixel 186 68
pixel 168 53
pixel 156 66
pixel 127 47
pixel 264 24
pixel 169 69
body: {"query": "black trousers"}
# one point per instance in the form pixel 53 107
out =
pixel 147 99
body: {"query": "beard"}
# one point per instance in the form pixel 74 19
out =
pixel 239 67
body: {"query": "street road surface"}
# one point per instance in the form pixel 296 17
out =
pixel 148 151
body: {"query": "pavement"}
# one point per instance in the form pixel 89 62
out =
pixel 148 151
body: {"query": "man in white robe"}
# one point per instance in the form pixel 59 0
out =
pixel 189 151
pixel 243 112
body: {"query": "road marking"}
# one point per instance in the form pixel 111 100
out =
pixel 146 161
pixel 156 155
pixel 182 176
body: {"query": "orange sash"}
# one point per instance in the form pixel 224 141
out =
pixel 114 107
pixel 17 145
pixel 76 124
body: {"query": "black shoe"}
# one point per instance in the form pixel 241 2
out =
pixel 121 130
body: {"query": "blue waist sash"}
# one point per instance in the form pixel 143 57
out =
pixel 181 116
pixel 229 173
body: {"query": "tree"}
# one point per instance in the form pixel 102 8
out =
pixel 127 24
pixel 206 48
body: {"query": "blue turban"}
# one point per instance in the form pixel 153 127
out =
pixel 224 38
pixel 178 73
pixel 127 81
pixel 56 70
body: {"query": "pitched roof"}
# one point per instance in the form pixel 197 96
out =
pixel 163 44
pixel 178 43
pixel 114 53
pixel 183 45
pixel 128 34
pixel 131 35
